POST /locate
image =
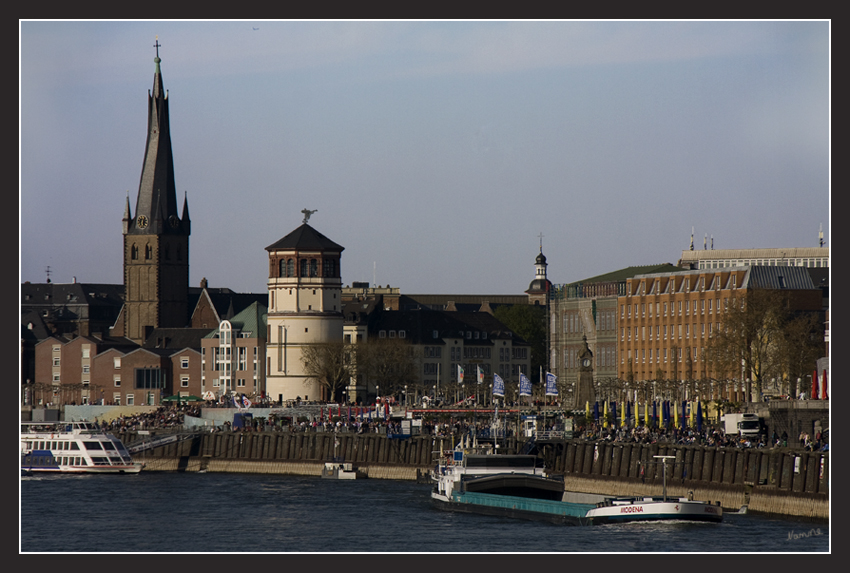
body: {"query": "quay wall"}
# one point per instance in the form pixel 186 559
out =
pixel 783 481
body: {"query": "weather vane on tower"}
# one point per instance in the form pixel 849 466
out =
pixel 307 213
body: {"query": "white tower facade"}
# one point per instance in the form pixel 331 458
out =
pixel 305 307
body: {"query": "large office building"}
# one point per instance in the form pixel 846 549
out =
pixel 665 320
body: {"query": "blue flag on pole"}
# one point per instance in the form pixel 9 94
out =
pixel 551 384
pixel 524 385
pixel 498 386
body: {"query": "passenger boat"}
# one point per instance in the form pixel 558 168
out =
pixel 73 447
pixel 341 470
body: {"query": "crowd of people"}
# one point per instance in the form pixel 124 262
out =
pixel 172 417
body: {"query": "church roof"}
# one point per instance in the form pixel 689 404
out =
pixel 156 205
pixel 305 238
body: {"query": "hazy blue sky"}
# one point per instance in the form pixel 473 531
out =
pixel 435 152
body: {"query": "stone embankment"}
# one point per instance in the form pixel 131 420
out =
pixel 782 481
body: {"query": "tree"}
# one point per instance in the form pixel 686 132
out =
pixel 529 323
pixel 388 363
pixel 329 364
pixel 755 336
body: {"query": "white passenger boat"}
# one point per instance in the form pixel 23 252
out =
pixel 72 447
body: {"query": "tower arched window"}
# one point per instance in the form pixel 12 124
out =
pixel 314 268
pixel 302 271
pixel 134 252
pixel 148 252
pixel 281 269
pixel 290 267
pixel 328 268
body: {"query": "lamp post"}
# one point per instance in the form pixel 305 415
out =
pixel 405 395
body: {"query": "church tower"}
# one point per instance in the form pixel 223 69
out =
pixel 156 236
pixel 305 308
pixel 538 290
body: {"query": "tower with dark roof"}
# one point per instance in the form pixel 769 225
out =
pixel 305 308
pixel 156 235
pixel 538 290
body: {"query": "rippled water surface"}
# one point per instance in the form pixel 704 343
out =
pixel 189 512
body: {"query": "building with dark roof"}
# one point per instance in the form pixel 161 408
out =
pixel 304 309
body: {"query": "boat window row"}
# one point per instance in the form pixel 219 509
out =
pixel 52 445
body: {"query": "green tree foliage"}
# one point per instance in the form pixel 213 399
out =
pixel 529 323
pixel 329 364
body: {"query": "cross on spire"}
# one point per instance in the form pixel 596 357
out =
pixel 157 45
pixel 541 241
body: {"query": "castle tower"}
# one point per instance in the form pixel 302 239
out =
pixel 305 307
pixel 156 238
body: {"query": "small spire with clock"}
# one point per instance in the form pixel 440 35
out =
pixel 156 235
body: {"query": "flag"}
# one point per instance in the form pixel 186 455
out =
pixel 551 384
pixel 498 386
pixel 480 374
pixel 596 411
pixel 699 416
pixel 524 385
pixel 626 415
pixel 246 403
pixel 605 414
pixel 459 374
pixel 587 410
pixel 823 393
pixel 815 385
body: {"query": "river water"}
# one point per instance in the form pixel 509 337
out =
pixel 170 512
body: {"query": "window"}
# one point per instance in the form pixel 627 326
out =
pixel 401 334
pixel 56 361
pixel 116 398
pixel 130 400
pixel 116 363
pixel 184 381
pixel 184 362
pixel 149 378
pixel 382 334
pixel 117 381
pixel 86 368
pixel 86 352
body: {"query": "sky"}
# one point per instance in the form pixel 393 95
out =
pixel 440 154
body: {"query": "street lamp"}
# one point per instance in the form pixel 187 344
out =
pixel 405 395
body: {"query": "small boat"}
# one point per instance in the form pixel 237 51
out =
pixel 625 509
pixel 73 447
pixel 341 470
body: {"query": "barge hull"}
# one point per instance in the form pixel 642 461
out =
pixel 557 512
